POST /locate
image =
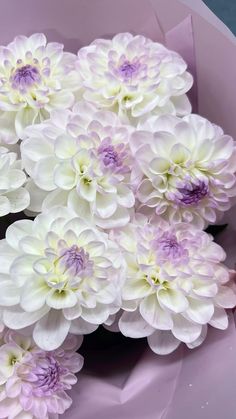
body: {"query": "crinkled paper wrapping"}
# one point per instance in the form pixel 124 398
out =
pixel 129 381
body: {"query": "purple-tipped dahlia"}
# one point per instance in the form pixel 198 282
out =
pixel 58 274
pixel 188 168
pixel 175 284
pixel 34 383
pixel 35 78
pixel 82 160
pixel 134 76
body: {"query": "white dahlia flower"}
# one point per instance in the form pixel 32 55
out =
pixel 13 196
pixel 175 284
pixel 35 78
pixel 59 274
pixel 81 158
pixel 188 168
pixel 133 76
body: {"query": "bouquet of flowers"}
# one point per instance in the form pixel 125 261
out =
pixel 120 185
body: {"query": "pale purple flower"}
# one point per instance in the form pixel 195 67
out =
pixel 175 283
pixel 83 161
pixel 34 383
pixel 36 77
pixel 188 168
pixel 134 76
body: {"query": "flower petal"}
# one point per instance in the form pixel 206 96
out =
pixel 51 331
pixel 132 324
pixel 162 342
pixel 154 314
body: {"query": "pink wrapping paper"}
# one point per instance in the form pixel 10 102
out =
pixel 130 381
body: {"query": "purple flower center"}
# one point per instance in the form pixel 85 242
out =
pixel 168 247
pixel 110 157
pixel 129 69
pixel 75 259
pixel 25 77
pixel 48 374
pixel 192 195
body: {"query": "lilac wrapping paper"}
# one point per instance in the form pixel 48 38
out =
pixel 135 383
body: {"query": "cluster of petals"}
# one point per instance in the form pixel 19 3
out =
pixel 188 168
pixel 35 78
pixel 34 383
pixel 81 158
pixel 134 76
pixel 13 196
pixel 175 283
pixel 59 274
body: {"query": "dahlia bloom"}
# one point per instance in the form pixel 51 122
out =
pixel 81 158
pixel 35 78
pixel 13 196
pixel 60 274
pixel 33 382
pixel 134 76
pixel 175 284
pixel 188 168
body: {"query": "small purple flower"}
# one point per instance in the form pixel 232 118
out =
pixel 191 195
pixel 76 260
pixel 25 77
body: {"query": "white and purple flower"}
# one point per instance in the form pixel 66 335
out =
pixel 34 383
pixel 188 168
pixel 13 195
pixel 35 78
pixel 81 158
pixel 134 76
pixel 60 274
pixel 175 284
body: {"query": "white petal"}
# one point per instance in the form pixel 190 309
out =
pixel 226 297
pixel 24 118
pixel 185 330
pixel 87 189
pixel 61 299
pixel 18 200
pixel 22 269
pixel 44 173
pixel 133 289
pixel 199 340
pixel 66 147
pixel 34 294
pixel 60 100
pixel 96 315
pixel 125 196
pixel 15 318
pixel 106 205
pixel 162 342
pixel 81 327
pixel 120 218
pixel 5 206
pixel 74 312
pixel 220 319
pixel 200 311
pixel 154 314
pixel 10 294
pixel 173 300
pixel 65 176
pixel 132 324
pixel 51 331
pixel 7 255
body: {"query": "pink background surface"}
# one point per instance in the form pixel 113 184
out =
pixel 134 383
